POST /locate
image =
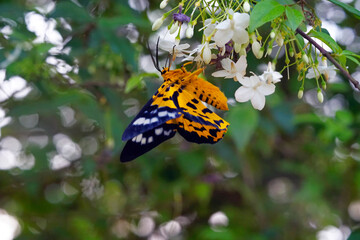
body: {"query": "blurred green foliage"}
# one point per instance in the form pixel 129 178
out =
pixel 283 173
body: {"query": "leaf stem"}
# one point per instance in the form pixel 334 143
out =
pixel 331 59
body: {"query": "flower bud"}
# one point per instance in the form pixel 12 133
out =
pixel 279 39
pixel 305 58
pixel 287 60
pixel 174 27
pixel 237 47
pixel 189 31
pixel 242 51
pixel 272 34
pixel 163 4
pixel 291 52
pixel 323 85
pixel 256 49
pixel 300 94
pixel 157 24
pixel 320 96
pixel 269 50
pixel 206 54
pixel 246 6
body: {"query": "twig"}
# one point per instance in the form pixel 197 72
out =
pixel 331 59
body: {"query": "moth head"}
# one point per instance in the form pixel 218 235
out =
pixel 165 70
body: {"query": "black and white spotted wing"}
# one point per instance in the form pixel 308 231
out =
pixel 146 141
pixel 150 117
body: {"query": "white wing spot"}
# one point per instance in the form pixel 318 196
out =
pixel 162 114
pixel 138 137
pixel 134 139
pixel 150 139
pixel 143 141
pixel 158 131
pixel 167 133
pixel 147 121
pixel 154 119
pixel 172 115
pixel 139 121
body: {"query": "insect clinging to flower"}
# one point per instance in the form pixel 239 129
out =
pixel 176 107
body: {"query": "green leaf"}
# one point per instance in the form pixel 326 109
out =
pixel 347 7
pixel 327 39
pixel 72 12
pixel 188 164
pixel 285 2
pixel 300 41
pixel 351 56
pixel 264 12
pixel 244 121
pixel 135 81
pixel 350 53
pixel 353 59
pixel 115 22
pixel 294 17
pixel 307 118
pixel 355 235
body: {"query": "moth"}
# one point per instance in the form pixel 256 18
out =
pixel 176 107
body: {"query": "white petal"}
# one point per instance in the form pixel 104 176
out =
pixel 244 94
pixel 240 36
pixel 266 89
pixel 221 73
pixel 224 25
pixel 241 19
pixel 226 64
pixel 166 45
pixel 331 73
pixel 182 46
pixel 209 29
pixel 241 65
pixel 221 37
pixel 258 101
pixel 310 74
pixel 248 81
pixel 238 77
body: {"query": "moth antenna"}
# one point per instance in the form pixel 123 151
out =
pixel 157 54
pixel 172 58
pixel 167 59
pixel 152 58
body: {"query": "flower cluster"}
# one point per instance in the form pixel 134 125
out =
pixel 227 40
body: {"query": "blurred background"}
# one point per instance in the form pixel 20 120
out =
pixel 74 74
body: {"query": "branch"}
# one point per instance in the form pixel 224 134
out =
pixel 331 59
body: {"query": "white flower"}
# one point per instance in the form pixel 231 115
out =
pixel 232 28
pixel 209 26
pixel 202 53
pixel 271 76
pixel 170 229
pixel 231 69
pixel 218 219
pixel 328 71
pixel 174 48
pixel 255 90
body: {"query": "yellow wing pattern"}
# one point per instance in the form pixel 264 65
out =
pixel 176 106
